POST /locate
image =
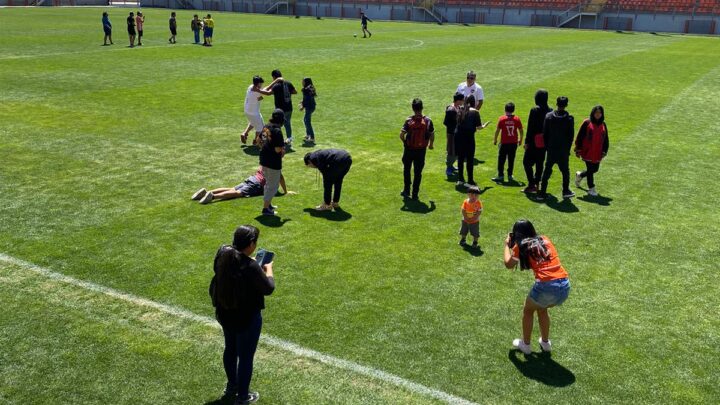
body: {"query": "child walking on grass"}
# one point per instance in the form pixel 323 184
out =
pixel 471 209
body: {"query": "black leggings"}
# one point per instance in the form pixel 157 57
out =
pixel 240 344
pixel 335 181
pixel 592 168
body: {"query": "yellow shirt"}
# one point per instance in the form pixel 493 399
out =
pixel 210 23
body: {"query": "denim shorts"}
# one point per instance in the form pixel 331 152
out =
pixel 549 293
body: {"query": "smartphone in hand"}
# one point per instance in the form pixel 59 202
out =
pixel 264 257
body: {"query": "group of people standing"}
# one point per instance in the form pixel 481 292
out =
pixel 136 23
pixel 549 142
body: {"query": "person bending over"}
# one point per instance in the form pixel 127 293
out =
pixel 334 164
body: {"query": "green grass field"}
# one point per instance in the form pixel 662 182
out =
pixel 101 148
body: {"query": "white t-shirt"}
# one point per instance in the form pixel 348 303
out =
pixel 252 101
pixel 474 90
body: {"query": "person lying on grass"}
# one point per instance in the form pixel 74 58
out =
pixel 252 187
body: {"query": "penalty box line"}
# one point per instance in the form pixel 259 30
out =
pixel 285 345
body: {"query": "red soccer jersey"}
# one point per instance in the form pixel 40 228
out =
pixel 510 125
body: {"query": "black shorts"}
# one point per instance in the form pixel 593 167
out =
pixel 131 31
pixel 140 33
pixel 173 31
pixel 108 31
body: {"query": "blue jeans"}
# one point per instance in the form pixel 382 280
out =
pixel 197 36
pixel 308 123
pixel 287 125
pixel 241 341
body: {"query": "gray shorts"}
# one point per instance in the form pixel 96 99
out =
pixel 474 229
pixel 251 187
pixel 272 182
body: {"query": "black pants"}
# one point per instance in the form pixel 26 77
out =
pixel 466 160
pixel 335 180
pixel 506 152
pixel 562 161
pixel 413 159
pixel 591 169
pixel 534 158
pixel 241 340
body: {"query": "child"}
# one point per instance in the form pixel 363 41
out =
pixel 252 108
pixel 471 209
pixel 510 125
pixel 308 104
pixel 173 28
pixel 591 145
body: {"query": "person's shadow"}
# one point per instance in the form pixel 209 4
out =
pixel 417 206
pixel 510 183
pixel 565 205
pixel 542 368
pixel 251 150
pixel 598 199
pixel 338 214
pixel 473 251
pixel 271 221
pixel 462 189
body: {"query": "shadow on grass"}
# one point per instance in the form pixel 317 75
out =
pixel 510 183
pixel 473 251
pixel 478 162
pixel 625 32
pixel 463 189
pixel 272 221
pixel 224 400
pixel 542 368
pixel 565 205
pixel 251 150
pixel 337 215
pixel 417 206
pixel 599 199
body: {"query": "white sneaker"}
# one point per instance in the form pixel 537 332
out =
pixel 207 199
pixel 545 346
pixel 522 346
pixel 578 179
pixel 592 192
pixel 198 194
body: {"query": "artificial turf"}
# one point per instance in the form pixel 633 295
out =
pixel 101 147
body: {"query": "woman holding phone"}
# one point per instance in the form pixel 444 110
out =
pixel 237 291
pixel 551 286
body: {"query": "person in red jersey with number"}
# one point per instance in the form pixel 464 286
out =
pixel 510 126
pixel 523 245
pixel 591 145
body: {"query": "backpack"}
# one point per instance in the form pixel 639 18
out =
pixel 227 287
pixel 418 135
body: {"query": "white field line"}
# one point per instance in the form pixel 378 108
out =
pixel 265 339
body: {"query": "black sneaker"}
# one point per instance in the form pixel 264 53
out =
pixel 230 392
pixel 269 212
pixel 251 399
pixel 475 244
pixel 462 242
pixel 405 194
pixel 541 196
pixel 568 194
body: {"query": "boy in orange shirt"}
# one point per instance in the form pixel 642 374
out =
pixel 471 209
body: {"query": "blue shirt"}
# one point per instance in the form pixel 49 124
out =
pixel 106 21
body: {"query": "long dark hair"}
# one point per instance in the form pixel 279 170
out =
pixel 530 244
pixel 592 114
pixel 308 84
pixel 469 103
pixel 244 236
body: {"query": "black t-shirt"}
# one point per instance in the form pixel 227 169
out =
pixel 282 92
pixel 271 138
pixel 469 124
pixel 173 23
pixel 131 23
pixel 450 120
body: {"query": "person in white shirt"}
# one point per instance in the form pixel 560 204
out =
pixel 470 88
pixel 252 107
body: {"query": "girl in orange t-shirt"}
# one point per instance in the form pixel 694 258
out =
pixel 551 286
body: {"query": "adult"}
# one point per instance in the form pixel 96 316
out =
pixel 131 29
pixel 172 23
pixel 308 104
pixel 450 122
pixel 209 24
pixel 551 286
pixel 195 27
pixel 470 88
pixel 591 145
pixel 468 123
pixel 334 164
pixel 272 151
pixel 363 23
pixel 139 22
pixel 253 96
pixel 558 133
pixel 417 135
pixel 534 143
pixel 107 28
pixel 238 292
pixel 282 90
pixel 253 186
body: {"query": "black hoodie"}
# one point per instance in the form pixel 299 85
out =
pixel 330 162
pixel 558 132
pixel 536 119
